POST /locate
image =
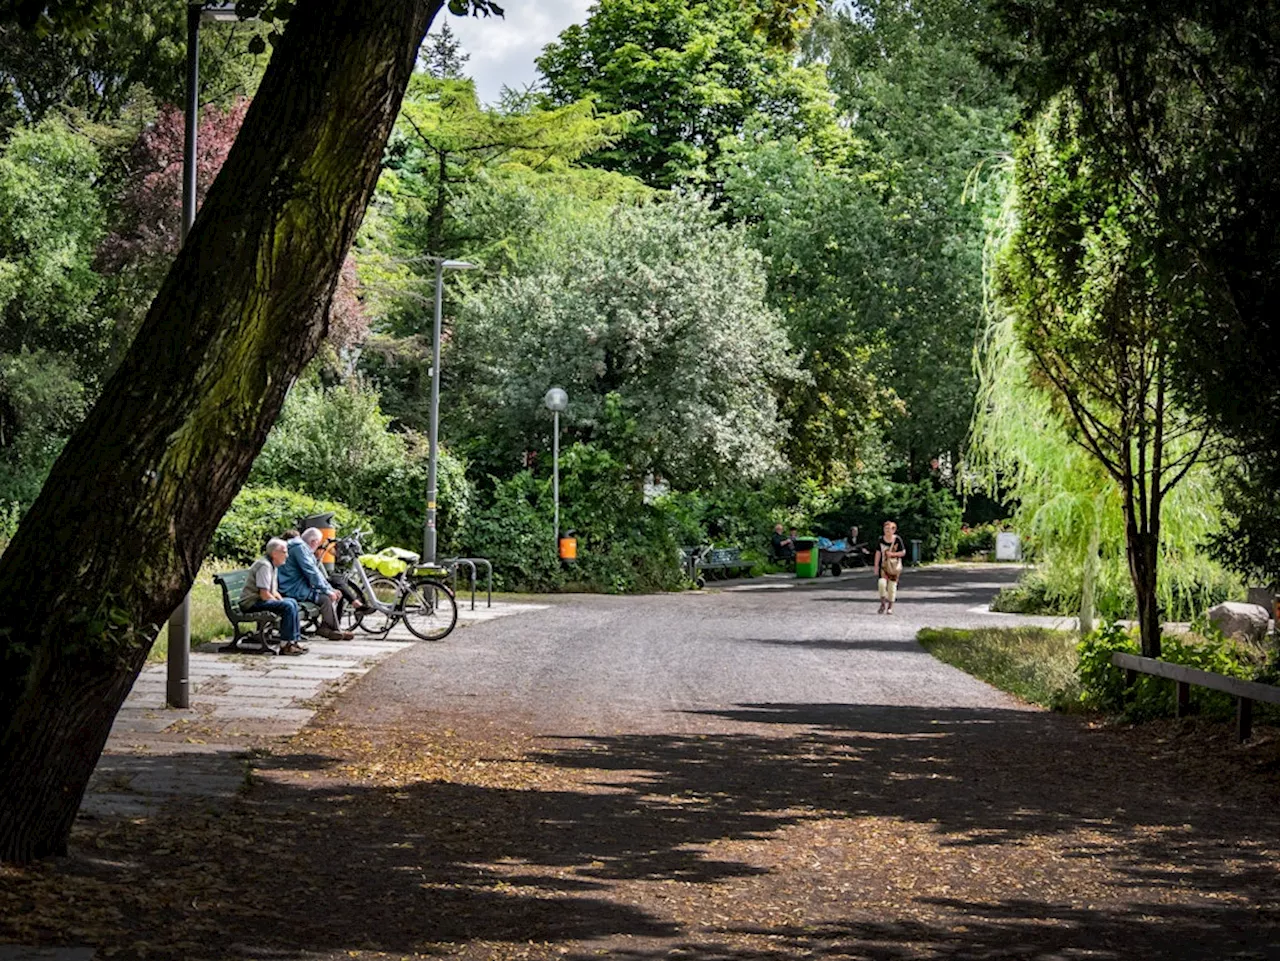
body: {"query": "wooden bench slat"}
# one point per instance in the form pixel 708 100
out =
pixel 1252 690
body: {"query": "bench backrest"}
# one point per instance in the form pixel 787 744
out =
pixel 232 583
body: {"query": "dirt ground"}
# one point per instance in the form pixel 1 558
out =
pixel 782 832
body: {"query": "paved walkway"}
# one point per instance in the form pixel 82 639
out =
pixel 156 753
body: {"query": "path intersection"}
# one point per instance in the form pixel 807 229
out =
pixel 769 770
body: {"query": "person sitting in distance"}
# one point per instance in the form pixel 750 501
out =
pixel 261 592
pixel 784 547
pixel 304 579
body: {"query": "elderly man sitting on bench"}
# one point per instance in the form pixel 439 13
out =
pixel 303 578
pixel 261 593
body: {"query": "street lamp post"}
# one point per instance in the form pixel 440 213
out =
pixel 556 400
pixel 429 526
pixel 177 685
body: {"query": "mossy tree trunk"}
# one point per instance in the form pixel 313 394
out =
pixel 117 535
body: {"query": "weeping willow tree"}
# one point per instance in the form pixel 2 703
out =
pixel 1027 441
pixel 1068 508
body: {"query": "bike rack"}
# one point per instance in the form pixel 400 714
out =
pixel 454 563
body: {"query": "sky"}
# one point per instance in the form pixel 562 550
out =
pixel 502 50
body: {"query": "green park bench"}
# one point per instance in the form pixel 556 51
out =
pixel 258 639
pixel 714 563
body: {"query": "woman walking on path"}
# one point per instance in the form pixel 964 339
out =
pixel 888 564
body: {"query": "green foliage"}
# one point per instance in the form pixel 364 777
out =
pixel 624 544
pixel 1075 420
pixel 52 344
pixel 1175 100
pixel 653 321
pixel 136 48
pixel 1103 684
pixel 513 528
pixel 1033 663
pixel 335 443
pixel 695 73
pixel 977 540
pixel 922 511
pixel 261 512
pixel 1189 586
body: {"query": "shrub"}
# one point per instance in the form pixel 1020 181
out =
pixel 624 544
pixel 1103 685
pixel 923 512
pixel 335 443
pixel 977 540
pixel 259 513
pixel 514 531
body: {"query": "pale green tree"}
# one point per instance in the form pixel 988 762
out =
pixel 653 319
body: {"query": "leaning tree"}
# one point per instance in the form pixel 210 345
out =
pixel 117 535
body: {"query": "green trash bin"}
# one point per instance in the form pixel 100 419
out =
pixel 808 557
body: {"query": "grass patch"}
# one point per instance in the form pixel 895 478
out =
pixel 1033 663
pixel 208 622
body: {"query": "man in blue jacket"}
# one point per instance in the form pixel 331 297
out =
pixel 303 578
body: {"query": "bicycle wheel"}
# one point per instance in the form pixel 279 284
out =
pixel 374 621
pixel 429 610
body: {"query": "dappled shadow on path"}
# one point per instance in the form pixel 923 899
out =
pixel 411 864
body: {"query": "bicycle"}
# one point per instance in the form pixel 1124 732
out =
pixel 427 607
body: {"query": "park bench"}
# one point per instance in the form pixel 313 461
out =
pixel 703 563
pixel 1245 692
pixel 257 640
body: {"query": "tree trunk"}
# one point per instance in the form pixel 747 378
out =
pixel 117 535
pixel 1141 547
pixel 1089 579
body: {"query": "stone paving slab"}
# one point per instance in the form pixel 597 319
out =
pixel 156 753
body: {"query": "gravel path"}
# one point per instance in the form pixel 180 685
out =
pixel 593 663
pixel 768 772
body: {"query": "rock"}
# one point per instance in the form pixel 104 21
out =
pixel 1245 621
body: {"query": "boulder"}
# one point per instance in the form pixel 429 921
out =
pixel 1244 621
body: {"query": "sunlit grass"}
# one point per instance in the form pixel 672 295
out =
pixel 208 622
pixel 1033 663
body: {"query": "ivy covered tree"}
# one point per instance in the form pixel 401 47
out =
pixel 138 491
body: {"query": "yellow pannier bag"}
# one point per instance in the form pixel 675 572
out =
pixel 390 566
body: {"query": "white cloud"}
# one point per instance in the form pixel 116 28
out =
pixel 502 50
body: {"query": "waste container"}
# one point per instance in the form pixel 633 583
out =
pixel 915 553
pixel 808 557
pixel 325 524
pixel 569 546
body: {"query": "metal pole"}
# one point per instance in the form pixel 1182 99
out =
pixel 177 685
pixel 555 475
pixel 429 532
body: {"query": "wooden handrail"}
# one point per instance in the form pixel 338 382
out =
pixel 1245 692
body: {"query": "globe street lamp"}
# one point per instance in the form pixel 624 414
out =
pixel 177 685
pixel 556 400
pixel 429 526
